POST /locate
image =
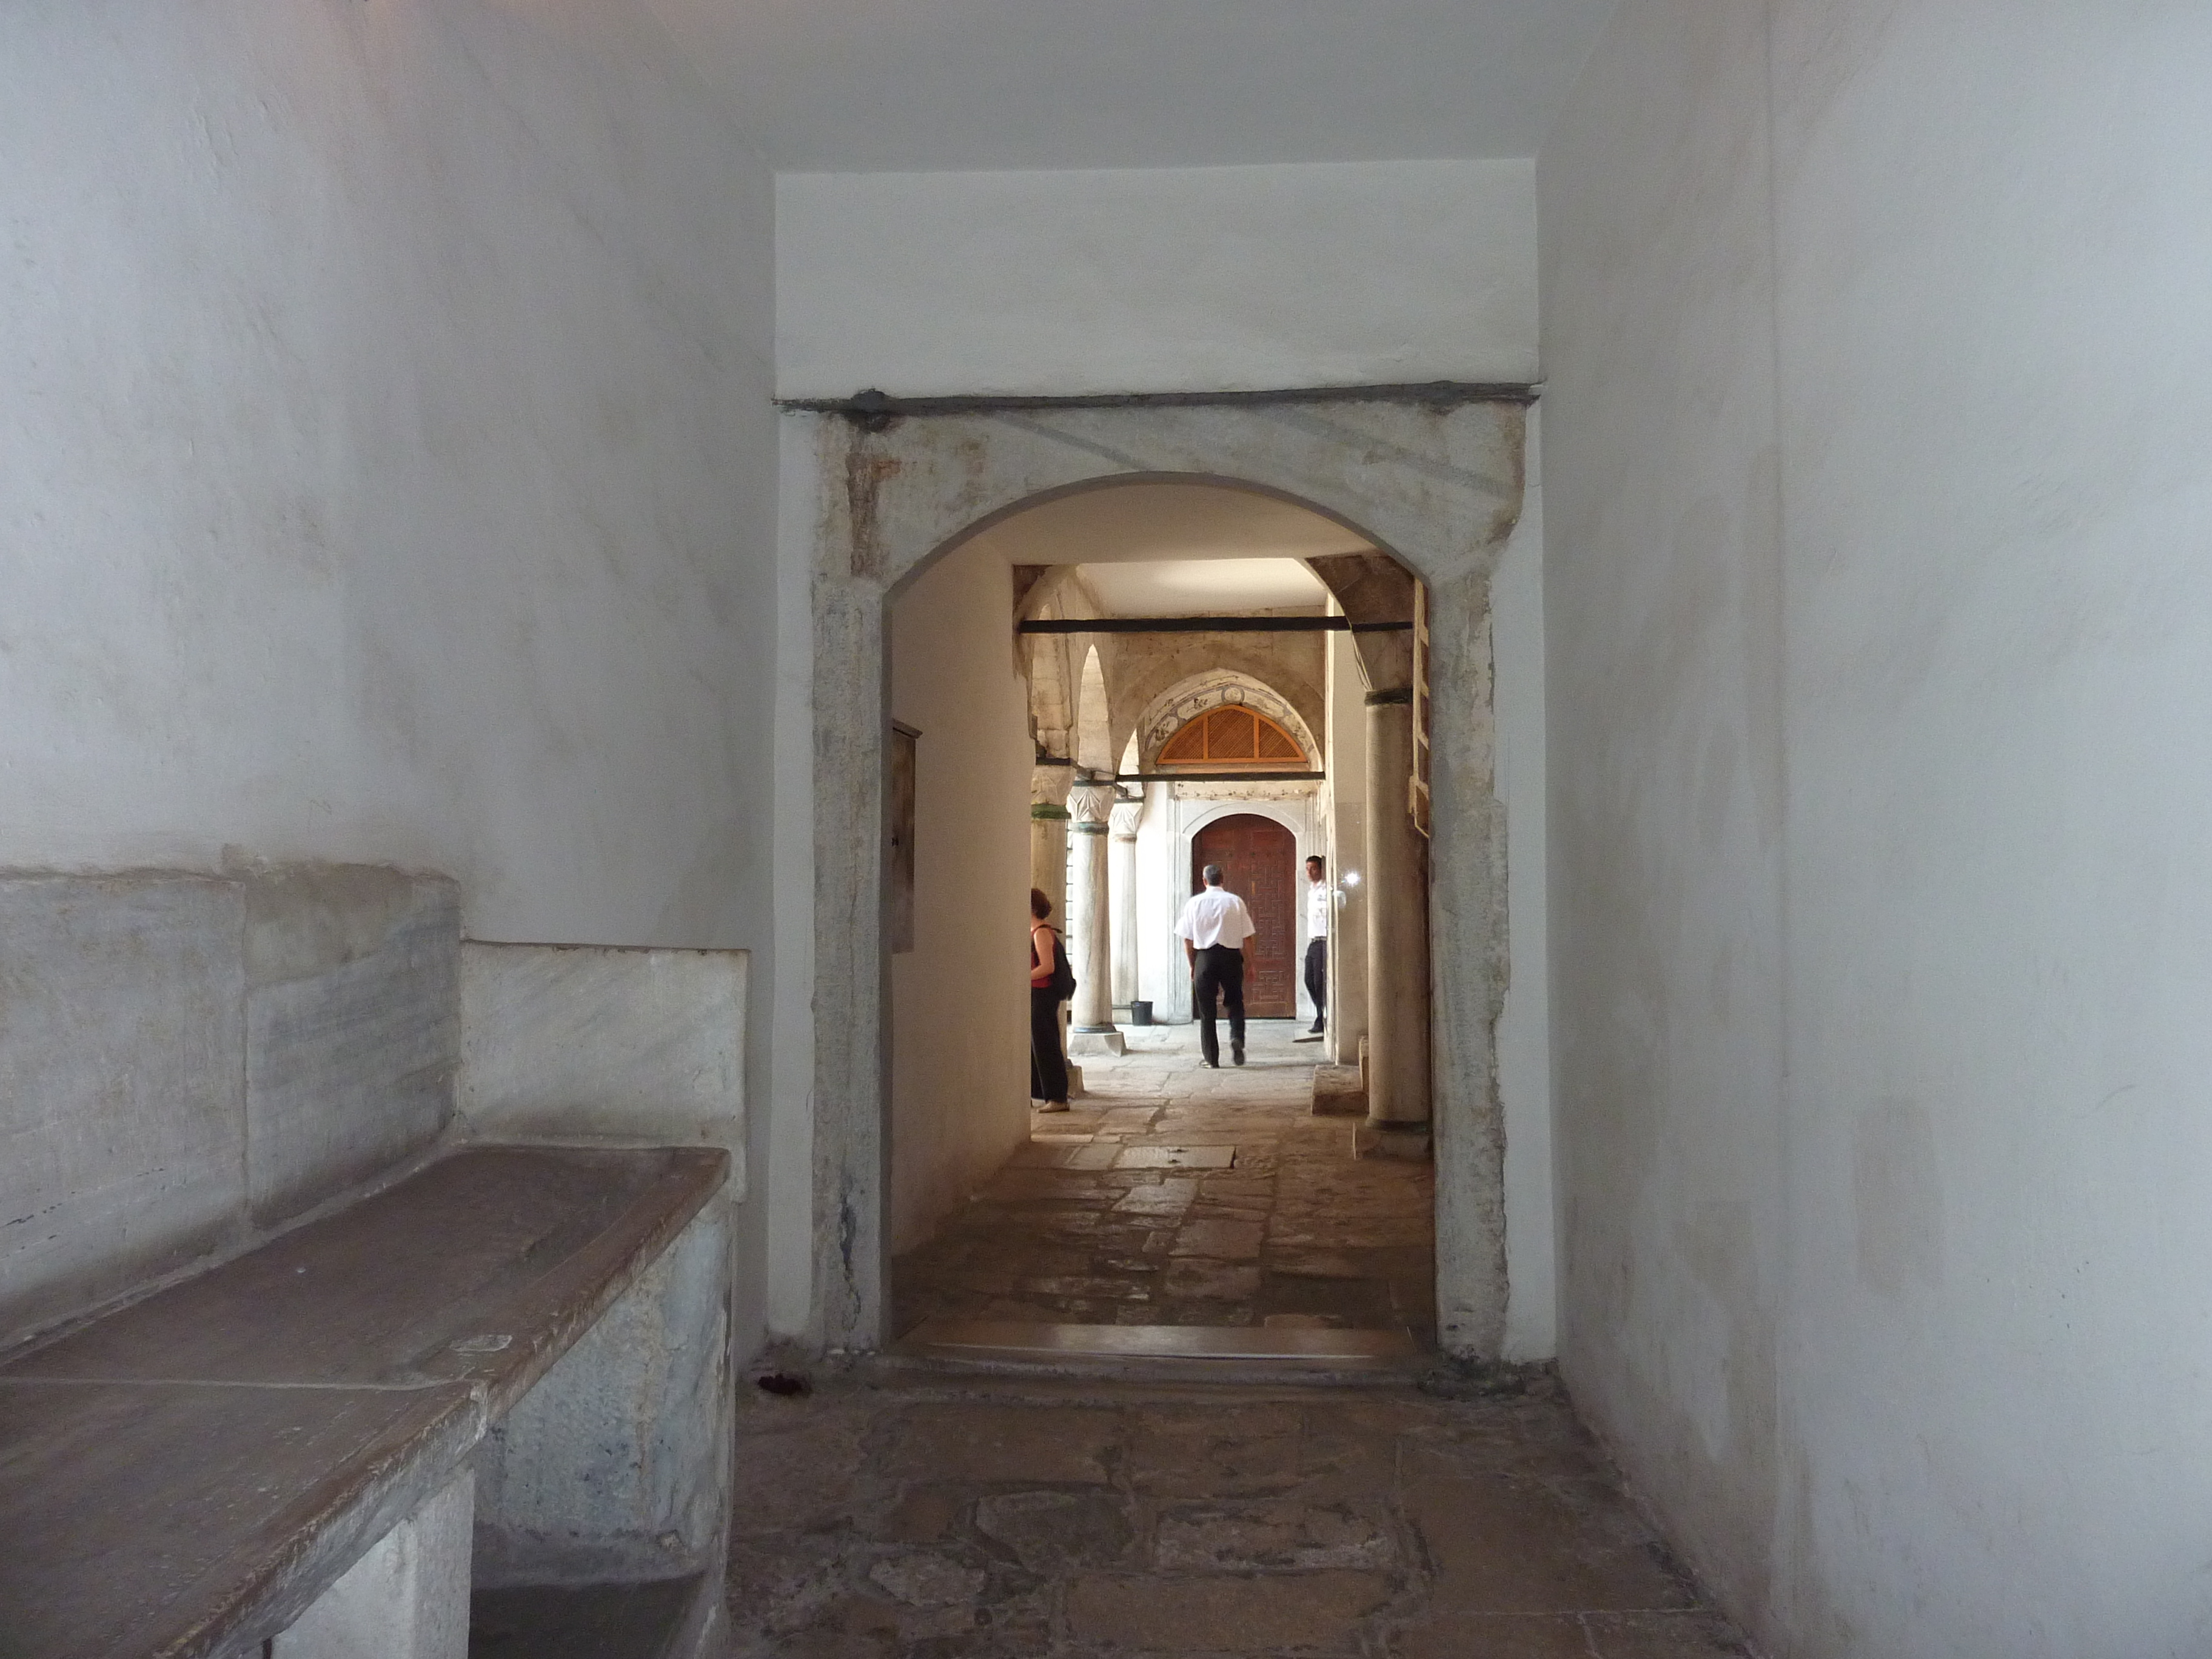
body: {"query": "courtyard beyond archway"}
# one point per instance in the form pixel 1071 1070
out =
pixel 1173 1194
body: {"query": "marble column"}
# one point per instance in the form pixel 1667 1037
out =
pixel 1347 792
pixel 1123 884
pixel 1397 902
pixel 1091 1030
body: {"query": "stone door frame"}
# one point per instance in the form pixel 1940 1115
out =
pixel 1433 478
pixel 1293 895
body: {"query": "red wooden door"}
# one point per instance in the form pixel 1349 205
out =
pixel 1259 860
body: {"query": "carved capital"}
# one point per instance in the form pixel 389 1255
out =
pixel 1091 803
pixel 1048 783
pixel 1126 816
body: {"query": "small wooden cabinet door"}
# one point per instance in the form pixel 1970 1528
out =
pixel 1259 860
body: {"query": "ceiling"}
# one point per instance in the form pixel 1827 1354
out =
pixel 935 85
pixel 1152 523
pixel 1197 587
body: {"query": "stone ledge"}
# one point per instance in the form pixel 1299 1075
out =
pixel 1409 1143
pixel 1339 1091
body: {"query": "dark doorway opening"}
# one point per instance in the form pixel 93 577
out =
pixel 1259 863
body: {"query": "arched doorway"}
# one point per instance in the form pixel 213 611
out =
pixel 1258 861
pixel 1434 483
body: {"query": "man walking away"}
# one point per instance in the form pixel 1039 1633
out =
pixel 1317 911
pixel 1213 928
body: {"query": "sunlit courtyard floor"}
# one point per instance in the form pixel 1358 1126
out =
pixel 1175 1194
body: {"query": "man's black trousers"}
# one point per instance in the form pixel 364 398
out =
pixel 1317 978
pixel 1220 970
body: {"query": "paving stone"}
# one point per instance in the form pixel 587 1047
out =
pixel 1176 1157
pixel 1104 1287
pixel 1216 1453
pixel 1048 1531
pixel 1691 1635
pixel 1030 1444
pixel 928 1580
pixel 1237 1537
pixel 924 1515
pixel 1507 1544
pixel 1274 1614
pixel 1494 1636
pixel 1227 1241
pixel 815 1462
pixel 1204 1209
pixel 1170 1197
pixel 1219 1281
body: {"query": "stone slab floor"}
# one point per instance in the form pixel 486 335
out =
pixel 1294 1231
pixel 931 1516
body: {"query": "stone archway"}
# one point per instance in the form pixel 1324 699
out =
pixel 1190 697
pixel 1438 485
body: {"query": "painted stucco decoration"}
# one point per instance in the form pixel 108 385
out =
pixel 1184 703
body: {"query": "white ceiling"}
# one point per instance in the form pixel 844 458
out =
pixel 1198 587
pixel 936 85
pixel 1156 523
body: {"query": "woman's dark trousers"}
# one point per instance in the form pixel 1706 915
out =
pixel 1048 1065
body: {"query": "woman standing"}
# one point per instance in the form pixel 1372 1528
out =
pixel 1048 1065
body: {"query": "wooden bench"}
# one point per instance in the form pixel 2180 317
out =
pixel 505 1374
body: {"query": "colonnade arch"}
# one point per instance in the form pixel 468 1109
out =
pixel 1435 484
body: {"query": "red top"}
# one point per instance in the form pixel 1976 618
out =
pixel 1041 955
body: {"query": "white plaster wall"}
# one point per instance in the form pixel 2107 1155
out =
pixel 1524 1027
pixel 383 397
pixel 1878 611
pixel 960 1038
pixel 1155 280
pixel 386 454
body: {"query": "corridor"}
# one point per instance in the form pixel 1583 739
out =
pixel 938 1519
pixel 1171 1195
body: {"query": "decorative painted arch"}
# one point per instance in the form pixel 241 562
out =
pixel 1435 483
pixel 1193 698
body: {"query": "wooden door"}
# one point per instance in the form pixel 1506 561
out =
pixel 1259 860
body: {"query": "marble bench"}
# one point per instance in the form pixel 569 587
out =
pixel 500 1383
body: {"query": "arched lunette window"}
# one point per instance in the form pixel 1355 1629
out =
pixel 1232 735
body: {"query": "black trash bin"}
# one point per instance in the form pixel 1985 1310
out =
pixel 1141 1013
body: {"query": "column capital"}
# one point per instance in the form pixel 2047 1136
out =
pixel 1091 803
pixel 1048 782
pixel 1126 816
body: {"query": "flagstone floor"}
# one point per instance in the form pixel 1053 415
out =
pixel 1173 1194
pixel 952 1518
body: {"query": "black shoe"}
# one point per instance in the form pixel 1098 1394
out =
pixel 1236 1053
pixel 1314 1029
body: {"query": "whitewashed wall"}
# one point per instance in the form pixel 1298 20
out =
pixel 387 457
pixel 1524 1027
pixel 1156 280
pixel 1880 616
pixel 960 1037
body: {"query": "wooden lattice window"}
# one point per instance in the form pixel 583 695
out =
pixel 1232 734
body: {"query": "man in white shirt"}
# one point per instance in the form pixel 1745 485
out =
pixel 1213 928
pixel 1317 913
